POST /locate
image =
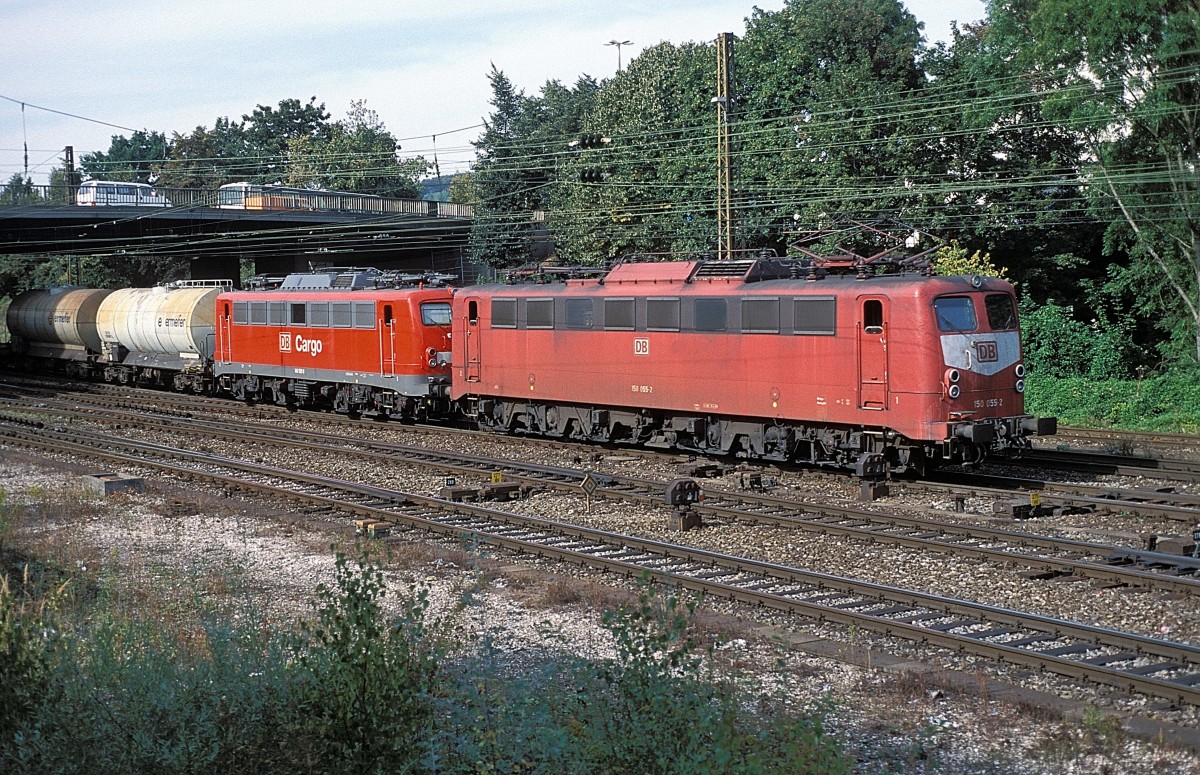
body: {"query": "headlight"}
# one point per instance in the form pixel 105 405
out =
pixel 1020 370
pixel 1020 386
pixel 952 376
pixel 955 391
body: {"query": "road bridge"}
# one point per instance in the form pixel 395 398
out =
pixel 387 233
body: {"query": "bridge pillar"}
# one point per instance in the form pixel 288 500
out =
pixel 282 265
pixel 217 268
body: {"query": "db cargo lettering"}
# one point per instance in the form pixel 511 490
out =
pixel 310 346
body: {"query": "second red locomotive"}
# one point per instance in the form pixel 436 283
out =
pixel 884 373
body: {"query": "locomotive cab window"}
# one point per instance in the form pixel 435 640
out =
pixel 955 314
pixel 437 313
pixel 473 312
pixel 1000 313
pixel 387 315
pixel 873 316
pixel 298 317
pixel 241 313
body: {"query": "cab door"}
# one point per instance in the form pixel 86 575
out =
pixel 387 342
pixel 872 353
pixel 224 350
pixel 472 343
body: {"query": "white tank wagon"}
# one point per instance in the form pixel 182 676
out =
pixel 160 335
pixel 57 324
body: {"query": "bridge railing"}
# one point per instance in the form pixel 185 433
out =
pixel 191 198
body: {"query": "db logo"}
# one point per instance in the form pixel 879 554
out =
pixel 285 343
pixel 987 352
pixel 641 346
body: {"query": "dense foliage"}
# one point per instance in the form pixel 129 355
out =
pixel 360 690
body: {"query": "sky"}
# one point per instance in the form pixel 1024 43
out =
pixel 174 65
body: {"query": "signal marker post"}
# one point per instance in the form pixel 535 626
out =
pixel 588 485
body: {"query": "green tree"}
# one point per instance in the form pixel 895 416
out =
pixel 657 179
pixel 517 166
pixel 270 130
pixel 137 158
pixel 1125 74
pixel 821 119
pixel 355 154
pixel 992 170
pixel 209 158
pixel 19 191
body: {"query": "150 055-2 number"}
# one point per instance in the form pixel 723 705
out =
pixel 988 403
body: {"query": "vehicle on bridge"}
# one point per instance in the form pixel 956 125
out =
pixel 251 196
pixel 115 193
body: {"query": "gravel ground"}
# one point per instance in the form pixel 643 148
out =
pixel 163 545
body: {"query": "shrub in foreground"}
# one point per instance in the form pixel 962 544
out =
pixel 359 690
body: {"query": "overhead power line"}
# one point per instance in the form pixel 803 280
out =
pixel 69 115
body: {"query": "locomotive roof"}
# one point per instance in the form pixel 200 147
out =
pixel 741 275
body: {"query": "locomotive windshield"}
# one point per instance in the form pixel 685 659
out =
pixel 955 313
pixel 1000 313
pixel 435 313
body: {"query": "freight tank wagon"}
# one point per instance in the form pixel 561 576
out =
pixel 56 326
pixel 161 336
pixel 754 359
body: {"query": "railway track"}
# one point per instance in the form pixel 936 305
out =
pixel 1128 440
pixel 1052 556
pixel 1130 662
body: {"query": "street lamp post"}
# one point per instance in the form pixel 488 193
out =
pixel 618 44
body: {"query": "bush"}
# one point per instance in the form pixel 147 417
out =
pixel 1166 403
pixel 366 685
pixel 1057 345
pixel 355 692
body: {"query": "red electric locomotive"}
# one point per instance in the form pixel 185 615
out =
pixel 760 359
pixel 357 341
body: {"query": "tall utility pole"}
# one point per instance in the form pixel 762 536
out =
pixel 724 103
